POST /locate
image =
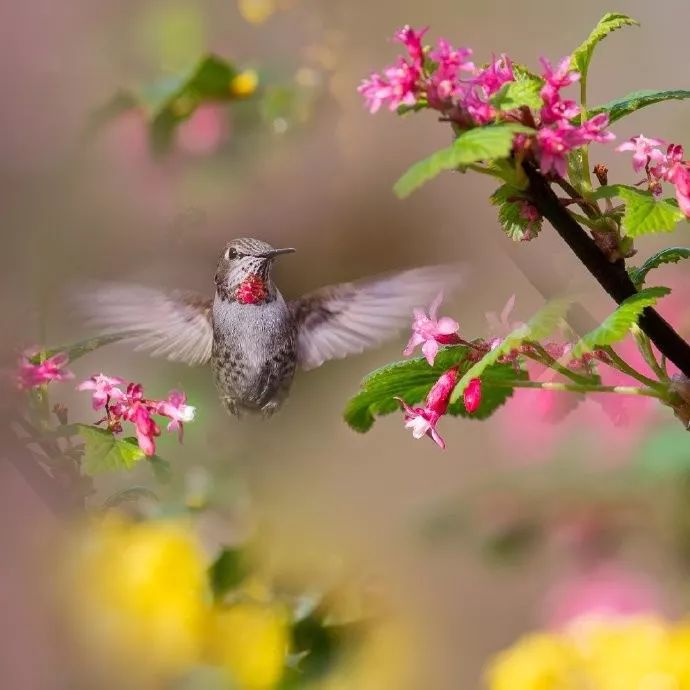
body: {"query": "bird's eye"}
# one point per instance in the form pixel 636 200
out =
pixel 231 253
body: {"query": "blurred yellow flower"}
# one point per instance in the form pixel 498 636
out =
pixel 250 640
pixel 245 83
pixel 642 653
pixel 138 592
pixel 536 662
pixel 256 11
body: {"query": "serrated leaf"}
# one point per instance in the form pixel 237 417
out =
pixel 541 325
pixel 665 256
pixel 616 326
pixel 644 214
pixel 582 55
pixel 515 94
pixel 412 379
pixel 227 571
pixel 513 224
pixel 472 146
pixel 630 103
pixel 103 452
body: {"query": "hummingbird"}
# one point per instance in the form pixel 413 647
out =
pixel 252 337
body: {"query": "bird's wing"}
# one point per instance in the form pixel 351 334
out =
pixel 175 325
pixel 340 320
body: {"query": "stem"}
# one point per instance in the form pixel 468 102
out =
pixel 580 388
pixel 645 348
pixel 611 276
pixel 586 206
pixel 623 366
pixel 543 357
pixel 587 180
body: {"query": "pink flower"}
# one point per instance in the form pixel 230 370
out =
pixel 429 331
pixel 557 79
pixel 375 90
pixel 645 151
pixel 482 111
pixel 412 40
pixel 554 145
pixel 422 420
pixel 556 110
pixel 498 73
pixel 500 325
pixel 444 83
pixel 472 395
pixel 682 182
pixel 593 129
pixel 603 591
pixel 449 58
pixel 104 389
pixel 529 213
pixel 31 375
pixel 176 409
pixel 146 428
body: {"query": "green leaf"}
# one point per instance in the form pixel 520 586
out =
pixel 644 214
pixel 104 453
pixel 507 198
pixel 227 572
pixel 515 94
pixel 664 453
pixel 582 55
pixel 84 347
pixel 412 379
pixel 616 326
pixel 170 101
pixel 620 107
pixel 665 256
pixel 472 146
pixel 161 468
pixel 541 325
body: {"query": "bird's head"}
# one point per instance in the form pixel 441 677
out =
pixel 244 271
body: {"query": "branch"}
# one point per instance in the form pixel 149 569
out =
pixel 611 276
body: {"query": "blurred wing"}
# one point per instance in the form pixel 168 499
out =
pixel 176 325
pixel 341 320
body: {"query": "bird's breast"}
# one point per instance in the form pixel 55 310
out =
pixel 254 349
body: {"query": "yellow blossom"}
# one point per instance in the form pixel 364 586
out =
pixel 641 653
pixel 250 640
pixel 245 83
pixel 256 11
pixel 137 592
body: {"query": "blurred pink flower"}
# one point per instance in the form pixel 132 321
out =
pixel 104 389
pixel 604 591
pixel 422 420
pixel 645 151
pixel 500 325
pixel 594 129
pixel 31 375
pixel 430 330
pixel 203 132
pixel 146 429
pixel 412 40
pixel 493 77
pixel 558 78
pixel 554 146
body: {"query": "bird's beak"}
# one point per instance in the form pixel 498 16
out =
pixel 275 252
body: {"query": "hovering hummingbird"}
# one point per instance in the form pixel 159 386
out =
pixel 253 338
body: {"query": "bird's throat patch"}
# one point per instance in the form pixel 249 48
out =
pixel 252 290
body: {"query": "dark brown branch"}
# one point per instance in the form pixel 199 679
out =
pixel 611 276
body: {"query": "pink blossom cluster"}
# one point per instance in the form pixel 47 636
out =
pixel 557 136
pixel 430 331
pixel 434 77
pixel 32 373
pixel 661 166
pixel 130 405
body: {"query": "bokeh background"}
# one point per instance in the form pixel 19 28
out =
pixel 472 546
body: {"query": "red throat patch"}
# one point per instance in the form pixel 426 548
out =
pixel 252 290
